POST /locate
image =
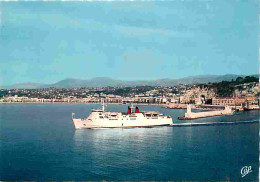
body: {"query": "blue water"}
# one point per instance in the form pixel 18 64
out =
pixel 38 142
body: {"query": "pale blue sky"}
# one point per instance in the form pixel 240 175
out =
pixel 46 42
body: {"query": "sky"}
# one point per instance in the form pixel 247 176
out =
pixel 45 42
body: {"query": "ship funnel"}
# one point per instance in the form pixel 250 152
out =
pixel 137 110
pixel 128 110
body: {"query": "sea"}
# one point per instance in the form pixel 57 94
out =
pixel 38 142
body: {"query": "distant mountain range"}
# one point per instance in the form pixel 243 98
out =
pixel 105 81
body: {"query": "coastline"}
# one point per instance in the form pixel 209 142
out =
pixel 79 103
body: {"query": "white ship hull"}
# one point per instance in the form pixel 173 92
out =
pixel 121 121
pixel 101 119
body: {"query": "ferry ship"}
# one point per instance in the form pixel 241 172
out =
pixel 99 118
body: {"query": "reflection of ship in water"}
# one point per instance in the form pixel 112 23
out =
pixel 133 118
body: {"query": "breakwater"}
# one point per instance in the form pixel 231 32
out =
pixel 195 115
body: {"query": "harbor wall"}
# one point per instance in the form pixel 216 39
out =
pixel 192 115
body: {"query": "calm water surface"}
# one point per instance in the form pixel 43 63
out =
pixel 38 142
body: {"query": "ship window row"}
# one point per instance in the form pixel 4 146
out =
pixel 149 115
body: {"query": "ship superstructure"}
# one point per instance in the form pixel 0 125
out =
pixel 99 118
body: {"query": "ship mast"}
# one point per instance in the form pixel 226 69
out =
pixel 103 105
pixel 132 108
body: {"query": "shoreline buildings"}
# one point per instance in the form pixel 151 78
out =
pixel 244 95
